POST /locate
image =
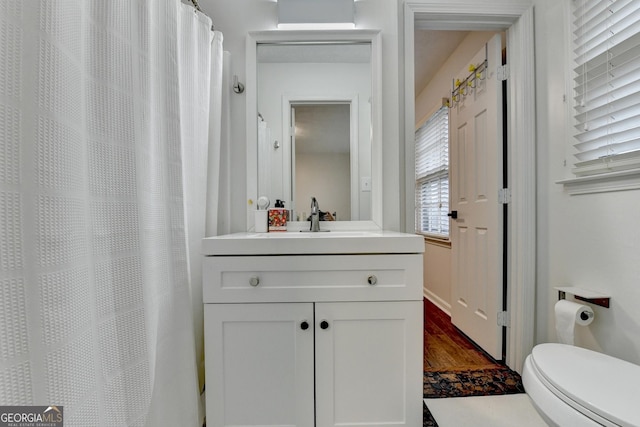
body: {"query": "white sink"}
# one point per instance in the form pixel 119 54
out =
pixel 296 242
pixel 333 234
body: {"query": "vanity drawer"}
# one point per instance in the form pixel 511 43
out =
pixel 319 278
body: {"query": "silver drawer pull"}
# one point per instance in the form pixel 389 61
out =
pixel 372 280
pixel 254 281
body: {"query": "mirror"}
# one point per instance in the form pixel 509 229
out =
pixel 313 105
pixel 313 133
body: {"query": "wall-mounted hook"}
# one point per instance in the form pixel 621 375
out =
pixel 237 86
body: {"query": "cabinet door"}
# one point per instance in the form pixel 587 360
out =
pixel 259 364
pixel 369 364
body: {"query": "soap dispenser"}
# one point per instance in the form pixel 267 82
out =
pixel 278 217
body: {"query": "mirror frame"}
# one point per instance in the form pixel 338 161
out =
pixel 251 93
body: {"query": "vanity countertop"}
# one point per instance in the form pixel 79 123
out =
pixel 299 243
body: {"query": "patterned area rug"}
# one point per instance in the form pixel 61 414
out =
pixel 464 383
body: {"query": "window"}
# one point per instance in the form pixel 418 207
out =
pixel 432 175
pixel 606 86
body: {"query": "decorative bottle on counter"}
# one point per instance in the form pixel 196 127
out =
pixel 278 217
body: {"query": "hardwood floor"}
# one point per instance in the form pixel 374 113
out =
pixel 446 348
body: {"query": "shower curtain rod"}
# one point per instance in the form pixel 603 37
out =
pixel 197 6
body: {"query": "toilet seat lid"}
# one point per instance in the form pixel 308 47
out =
pixel 602 384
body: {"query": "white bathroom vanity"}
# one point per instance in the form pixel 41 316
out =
pixel 313 329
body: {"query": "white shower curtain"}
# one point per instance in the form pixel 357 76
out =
pixel 104 113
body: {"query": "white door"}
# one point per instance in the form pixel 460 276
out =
pixel 369 364
pixel 476 178
pixel 259 360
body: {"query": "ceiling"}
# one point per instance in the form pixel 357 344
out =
pixel 432 49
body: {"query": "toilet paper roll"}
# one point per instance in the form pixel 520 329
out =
pixel 568 314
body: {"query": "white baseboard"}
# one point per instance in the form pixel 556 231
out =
pixel 438 302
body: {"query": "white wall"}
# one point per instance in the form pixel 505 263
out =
pixel 437 274
pixel 236 18
pixel 325 176
pixel 591 241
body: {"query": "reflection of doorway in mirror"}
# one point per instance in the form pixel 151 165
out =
pixel 321 159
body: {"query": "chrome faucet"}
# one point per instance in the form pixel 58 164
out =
pixel 315 215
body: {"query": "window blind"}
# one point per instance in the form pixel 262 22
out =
pixel 607 85
pixel 432 175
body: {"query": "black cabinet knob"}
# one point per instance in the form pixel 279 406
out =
pixel 324 324
pixel 304 325
pixel 453 214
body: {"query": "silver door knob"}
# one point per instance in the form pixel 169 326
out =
pixel 254 281
pixel 372 280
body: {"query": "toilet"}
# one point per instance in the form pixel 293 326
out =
pixel 572 386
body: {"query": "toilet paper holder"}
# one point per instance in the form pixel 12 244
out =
pixel 586 315
pixel 584 295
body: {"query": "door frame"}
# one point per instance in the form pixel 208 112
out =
pixel 288 101
pixel 517 19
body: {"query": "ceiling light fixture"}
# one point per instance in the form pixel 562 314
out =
pixel 316 14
